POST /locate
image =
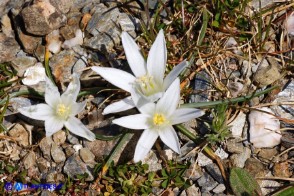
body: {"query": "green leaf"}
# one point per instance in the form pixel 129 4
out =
pixel 242 183
pixel 164 173
pixel 10 168
pixel 288 191
pixel 164 184
pixel 151 176
pixel 205 19
pixel 227 101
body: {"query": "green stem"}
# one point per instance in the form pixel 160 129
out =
pixel 116 150
pixel 46 65
pixel 187 133
pixel 32 93
pixel 226 101
pixel 39 95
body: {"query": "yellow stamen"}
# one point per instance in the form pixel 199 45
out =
pixel 158 119
pixel 145 81
pixel 62 110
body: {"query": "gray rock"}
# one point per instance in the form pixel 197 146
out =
pixel 201 88
pixel 255 167
pixel 7 26
pixel 100 148
pixel 88 157
pixel 85 4
pixel 269 186
pixel 285 111
pixel 237 125
pixel 266 75
pixel 57 154
pixel 43 164
pixel 238 160
pixel 41 18
pixel 126 24
pixel 39 53
pixel 153 162
pixel 207 183
pixel 74 166
pixel 22 63
pixel 80 65
pixel 102 42
pixel 33 172
pixel 72 139
pixel 267 154
pixel 20 134
pixel 61 65
pixel 102 20
pixel 219 189
pixel 59 138
pixel 29 43
pixel 29 160
pixel 203 160
pixel 191 126
pixel 193 191
pixel 7 5
pixel 62 5
pixel 103 27
pixel 69 151
pixel 235 146
pixel 194 172
pixel 18 102
pixel 8 48
pixel 214 171
pixel 45 146
pixel 68 31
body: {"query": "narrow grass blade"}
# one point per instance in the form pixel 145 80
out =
pixel 116 150
pixel 204 27
pixel 226 101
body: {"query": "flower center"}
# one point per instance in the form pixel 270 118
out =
pixel 158 119
pixel 62 111
pixel 146 85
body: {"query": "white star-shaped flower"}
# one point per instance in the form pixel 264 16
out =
pixel 60 110
pixel 157 120
pixel 148 79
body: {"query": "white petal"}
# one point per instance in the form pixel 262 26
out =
pixel 116 77
pixel 75 126
pixel 156 61
pixel 122 105
pixel 73 89
pixel 38 112
pixel 134 56
pixel 170 138
pixel 78 107
pixel 52 125
pixel 137 121
pixel 52 95
pixel 145 144
pixel 174 73
pixel 154 97
pixel 169 101
pixel 185 114
pixel 143 105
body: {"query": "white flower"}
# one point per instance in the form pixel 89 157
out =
pixel 148 79
pixel 60 110
pixel 157 120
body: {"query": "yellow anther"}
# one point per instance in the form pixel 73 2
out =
pixel 62 111
pixel 158 119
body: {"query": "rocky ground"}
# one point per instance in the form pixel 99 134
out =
pixel 235 49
